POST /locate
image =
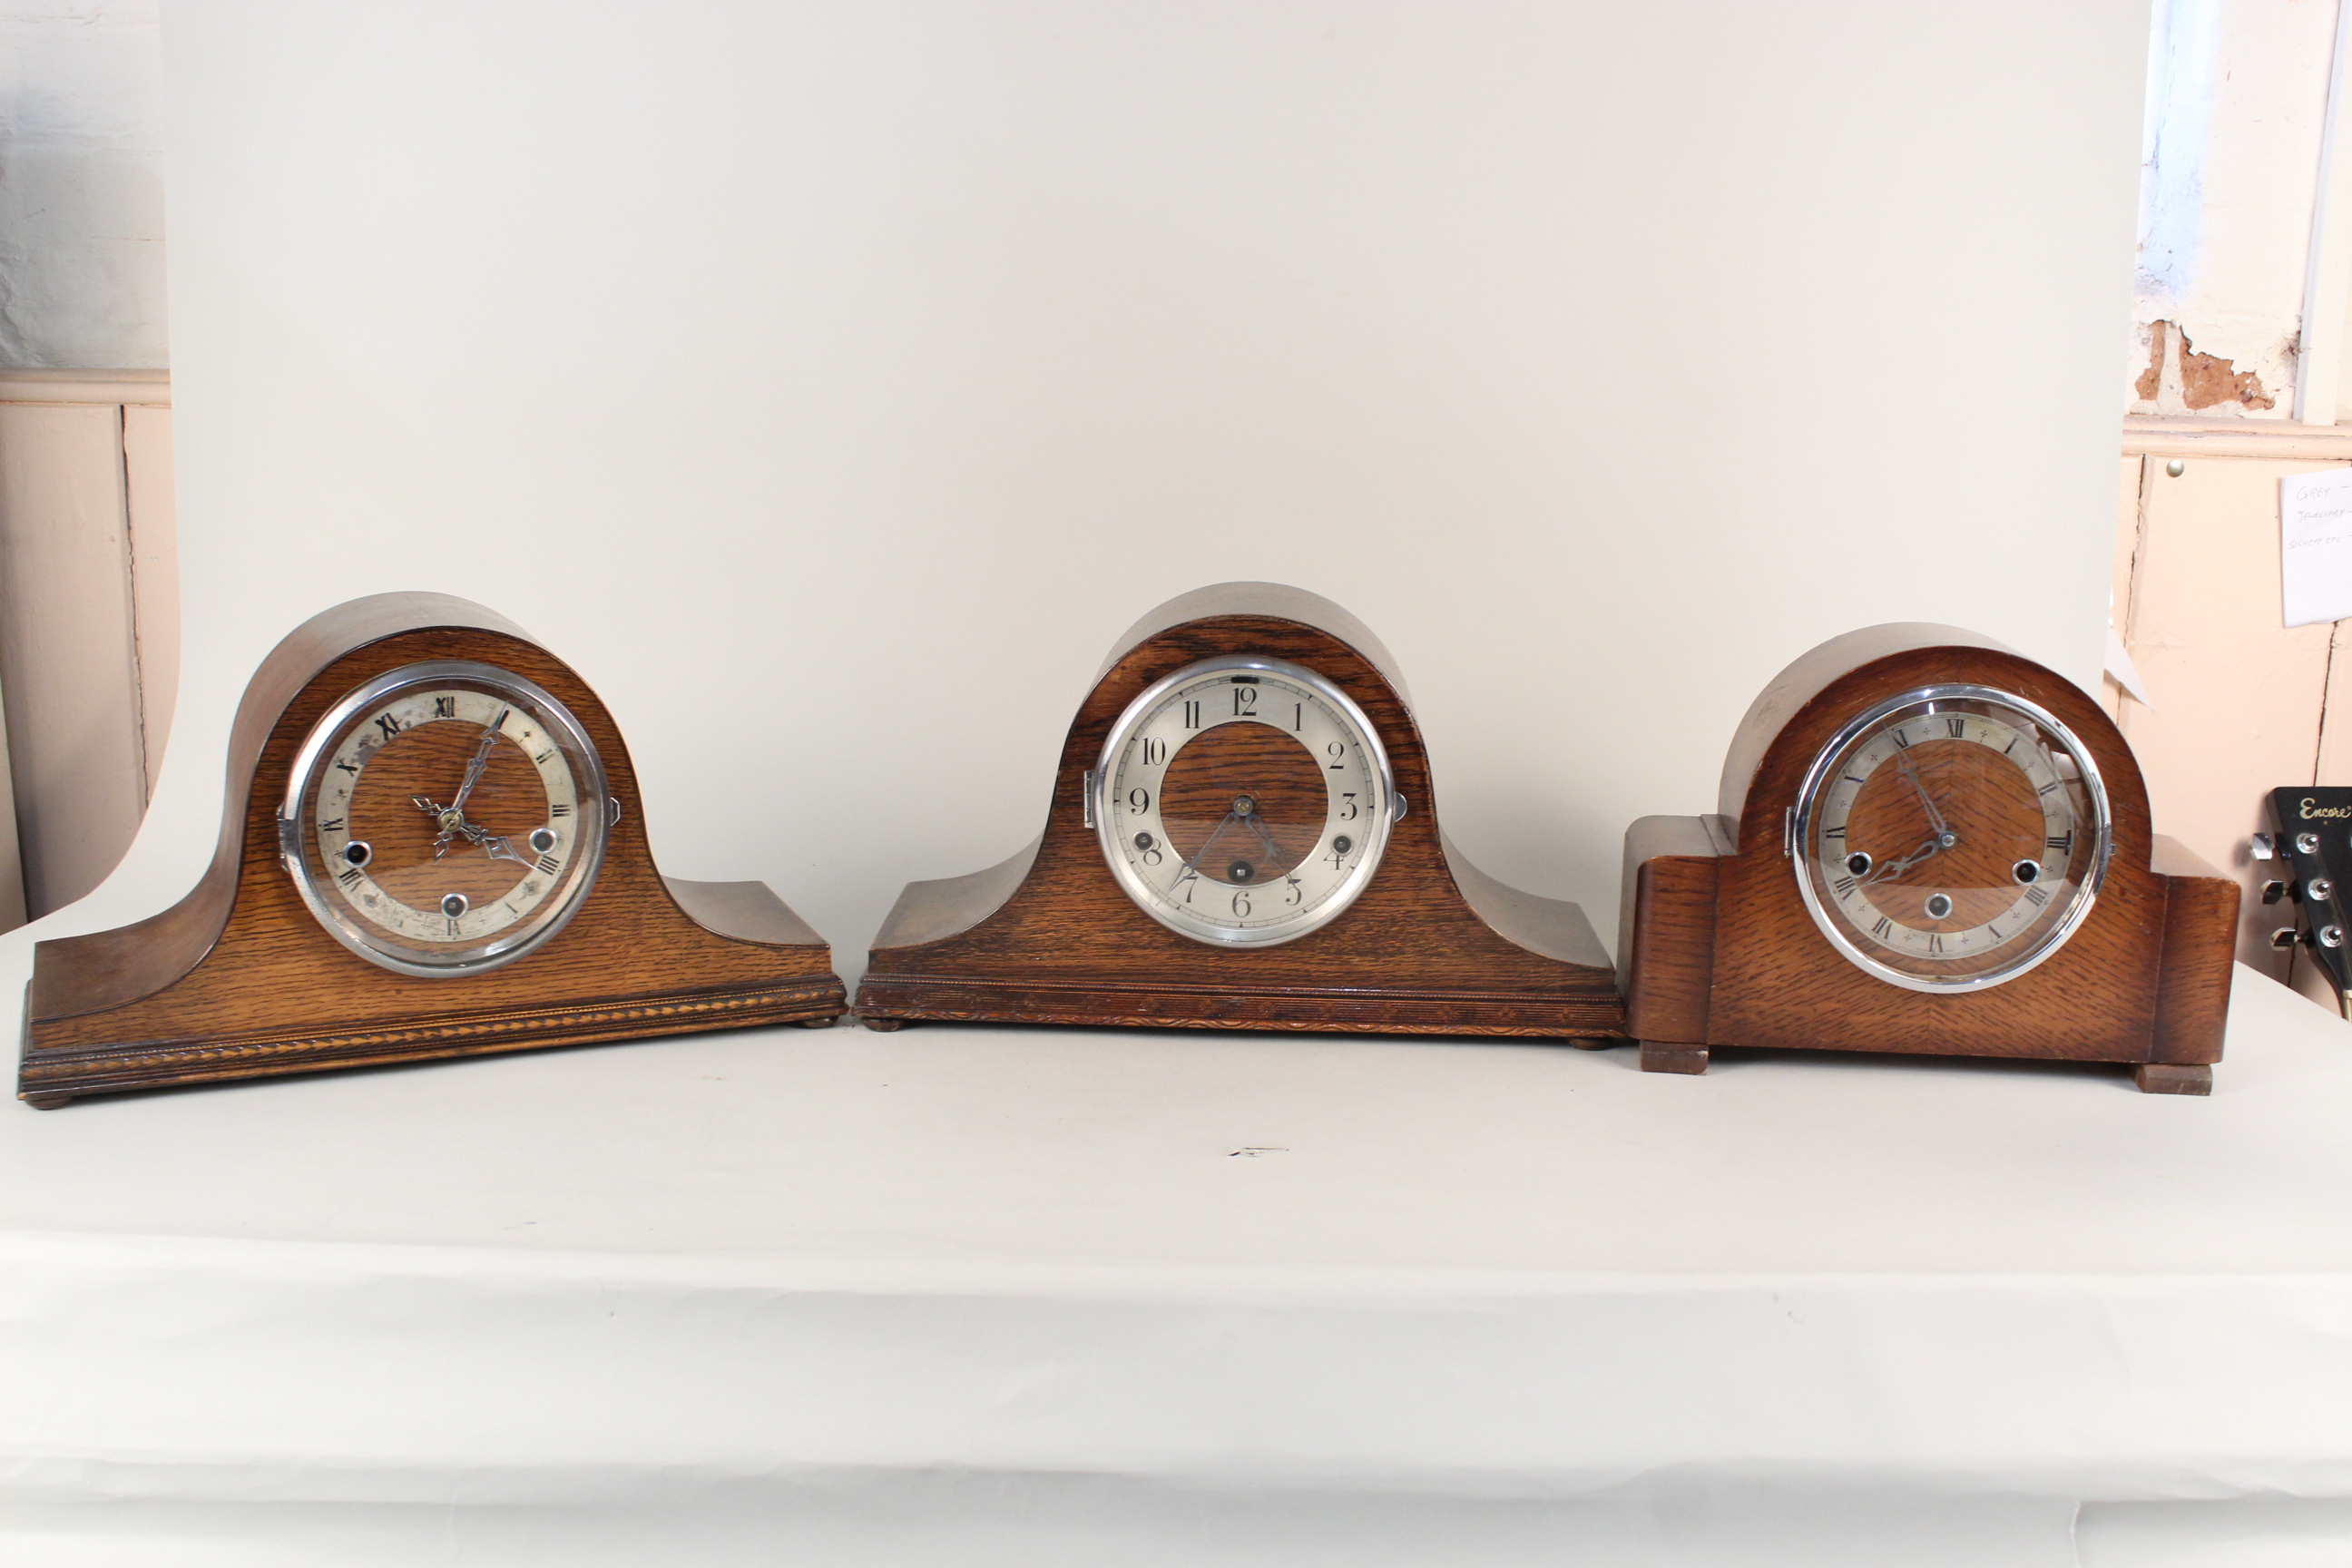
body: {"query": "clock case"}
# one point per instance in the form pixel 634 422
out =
pixel 1430 946
pixel 1716 946
pixel 239 979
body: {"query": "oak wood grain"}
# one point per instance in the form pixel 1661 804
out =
pixel 1666 929
pixel 1048 937
pixel 2145 978
pixel 238 980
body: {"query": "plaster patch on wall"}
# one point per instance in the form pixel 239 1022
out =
pixel 2151 380
pixel 2176 378
pixel 2208 380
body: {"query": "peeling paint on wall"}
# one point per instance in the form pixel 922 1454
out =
pixel 2151 380
pixel 2179 379
pixel 2206 381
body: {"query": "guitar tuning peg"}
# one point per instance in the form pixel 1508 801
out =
pixel 2260 847
pixel 2273 890
pixel 2283 937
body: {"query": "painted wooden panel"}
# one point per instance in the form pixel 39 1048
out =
pixel 154 573
pixel 2236 696
pixel 68 662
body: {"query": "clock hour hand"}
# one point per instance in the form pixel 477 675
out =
pixel 1895 868
pixel 454 825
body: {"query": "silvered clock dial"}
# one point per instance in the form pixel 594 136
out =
pixel 1242 800
pixel 444 818
pixel 1951 838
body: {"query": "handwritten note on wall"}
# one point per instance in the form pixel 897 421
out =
pixel 2315 546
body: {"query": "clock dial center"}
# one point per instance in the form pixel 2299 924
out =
pixel 429 761
pixel 1945 823
pixel 1244 802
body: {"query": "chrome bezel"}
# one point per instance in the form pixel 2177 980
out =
pixel 1809 793
pixel 1146 898
pixel 343 923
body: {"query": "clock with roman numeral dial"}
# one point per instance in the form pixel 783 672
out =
pixel 467 872
pixel 445 817
pixel 1953 838
pixel 1924 842
pixel 1242 800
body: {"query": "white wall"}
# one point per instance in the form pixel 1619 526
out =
pixel 81 189
pixel 831 384
pixel 2237 108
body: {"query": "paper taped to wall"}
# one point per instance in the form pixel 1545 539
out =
pixel 2315 546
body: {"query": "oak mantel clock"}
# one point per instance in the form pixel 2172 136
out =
pixel 431 846
pixel 1243 834
pixel 1926 843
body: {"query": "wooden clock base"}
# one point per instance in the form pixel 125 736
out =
pixel 2153 1078
pixel 135 1047
pixel 911 980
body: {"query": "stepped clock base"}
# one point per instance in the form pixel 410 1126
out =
pixel 51 1078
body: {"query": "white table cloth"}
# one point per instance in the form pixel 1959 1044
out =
pixel 972 1295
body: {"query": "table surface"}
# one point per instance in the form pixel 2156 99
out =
pixel 965 1145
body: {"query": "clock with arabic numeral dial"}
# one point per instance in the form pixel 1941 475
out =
pixel 431 846
pixel 1243 800
pixel 1926 843
pixel 1242 834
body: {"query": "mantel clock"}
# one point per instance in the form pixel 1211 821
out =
pixel 430 847
pixel 1243 834
pixel 1926 843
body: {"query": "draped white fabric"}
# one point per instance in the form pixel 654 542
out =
pixel 982 1295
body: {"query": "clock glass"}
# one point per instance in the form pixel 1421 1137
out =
pixel 444 818
pixel 1242 800
pixel 1951 838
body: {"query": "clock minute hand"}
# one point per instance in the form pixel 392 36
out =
pixel 1910 775
pixel 1265 837
pixel 481 760
pixel 1202 853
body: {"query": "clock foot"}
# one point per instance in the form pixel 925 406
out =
pixel 46 1102
pixel 884 1025
pixel 1656 1057
pixel 2172 1078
